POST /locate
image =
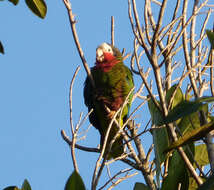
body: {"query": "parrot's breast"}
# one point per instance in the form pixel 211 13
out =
pixel 106 65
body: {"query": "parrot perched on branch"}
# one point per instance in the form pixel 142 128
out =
pixel 113 83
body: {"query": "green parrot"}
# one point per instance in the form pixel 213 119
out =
pixel 113 82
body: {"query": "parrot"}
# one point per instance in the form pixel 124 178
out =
pixel 113 82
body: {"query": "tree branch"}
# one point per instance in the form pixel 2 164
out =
pixel 112 30
pixel 76 39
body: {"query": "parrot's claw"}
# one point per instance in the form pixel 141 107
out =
pixel 110 112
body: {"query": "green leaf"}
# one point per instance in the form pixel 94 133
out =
pixel 160 138
pixel 140 186
pixel 75 182
pixel 178 97
pixel 11 188
pixel 191 136
pixel 26 185
pixel 201 155
pixel 192 121
pixel 15 2
pixel 181 110
pixel 38 7
pixel 1 48
pixel 192 183
pixel 161 142
pixel 177 173
pixel 208 184
pixel 206 99
pixel 210 36
pixel 189 123
pixel 156 115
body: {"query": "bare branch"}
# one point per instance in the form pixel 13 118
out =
pixel 211 60
pixel 137 141
pixel 115 176
pixel 149 153
pixel 112 30
pixel 76 39
pixel 132 22
pixel 157 2
pixel 122 179
pixel 74 135
pixel 157 28
pixel 69 142
pixel 142 42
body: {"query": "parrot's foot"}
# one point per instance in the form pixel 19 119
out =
pixel 110 112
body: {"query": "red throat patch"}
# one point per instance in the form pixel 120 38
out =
pixel 108 63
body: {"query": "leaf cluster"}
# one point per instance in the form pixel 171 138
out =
pixel 25 186
pixel 185 115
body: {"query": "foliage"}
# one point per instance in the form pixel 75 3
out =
pixel 208 184
pixel 140 186
pixel 25 186
pixel 38 7
pixel 181 112
pixel 75 182
pixel 15 2
pixel 1 48
pixel 210 35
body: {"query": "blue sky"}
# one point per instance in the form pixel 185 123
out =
pixel 35 73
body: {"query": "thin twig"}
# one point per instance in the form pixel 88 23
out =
pixel 112 30
pixel 115 176
pixel 211 62
pixel 74 135
pixel 137 142
pixel 76 39
pixel 140 32
pixel 122 179
pixel 69 142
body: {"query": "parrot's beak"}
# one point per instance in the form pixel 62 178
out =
pixel 99 55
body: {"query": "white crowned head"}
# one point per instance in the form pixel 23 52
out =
pixel 103 48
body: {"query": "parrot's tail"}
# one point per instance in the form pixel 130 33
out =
pixel 117 148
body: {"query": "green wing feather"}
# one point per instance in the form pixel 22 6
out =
pixel 112 89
